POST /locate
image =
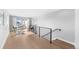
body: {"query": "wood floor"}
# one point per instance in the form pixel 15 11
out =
pixel 29 41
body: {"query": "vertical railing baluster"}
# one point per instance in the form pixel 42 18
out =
pixel 50 36
pixel 39 31
pixel 49 32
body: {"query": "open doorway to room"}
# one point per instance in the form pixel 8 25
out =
pixel 19 25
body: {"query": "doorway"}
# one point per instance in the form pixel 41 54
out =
pixel 19 24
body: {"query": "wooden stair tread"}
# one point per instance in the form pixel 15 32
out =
pixel 63 44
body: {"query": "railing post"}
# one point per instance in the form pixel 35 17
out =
pixel 39 31
pixel 50 36
pixel 35 29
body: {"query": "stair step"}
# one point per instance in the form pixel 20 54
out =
pixel 63 44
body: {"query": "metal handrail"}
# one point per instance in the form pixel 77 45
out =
pixel 56 29
pixel 44 27
pixel 50 33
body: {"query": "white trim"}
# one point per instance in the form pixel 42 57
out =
pixel 73 43
pixel 4 41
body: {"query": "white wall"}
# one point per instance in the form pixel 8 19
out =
pixel 4 29
pixel 62 19
pixel 54 18
pixel 77 29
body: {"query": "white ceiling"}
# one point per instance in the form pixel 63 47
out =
pixel 30 12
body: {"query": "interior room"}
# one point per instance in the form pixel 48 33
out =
pixel 38 28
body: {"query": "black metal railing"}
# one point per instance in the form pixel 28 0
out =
pixel 44 32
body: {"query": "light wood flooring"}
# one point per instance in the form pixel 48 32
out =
pixel 29 40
